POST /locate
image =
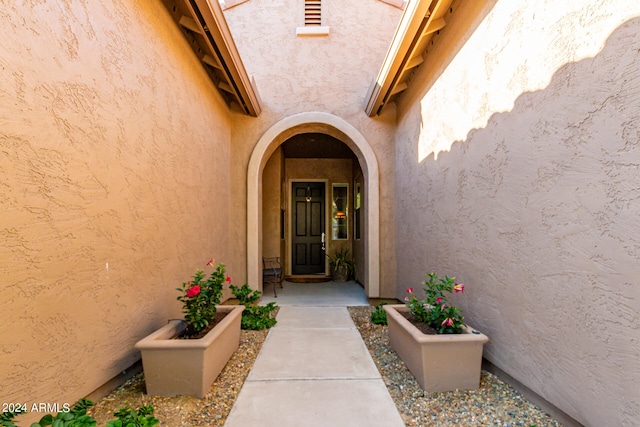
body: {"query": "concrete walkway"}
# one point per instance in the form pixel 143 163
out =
pixel 314 370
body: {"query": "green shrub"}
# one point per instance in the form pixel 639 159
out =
pixel 128 417
pixel 378 315
pixel 245 294
pixel 254 317
pixel 77 417
pixel 257 317
pixel 6 418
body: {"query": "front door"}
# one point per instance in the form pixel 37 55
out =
pixel 308 228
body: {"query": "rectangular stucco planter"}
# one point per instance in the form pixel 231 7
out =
pixel 175 367
pixel 442 362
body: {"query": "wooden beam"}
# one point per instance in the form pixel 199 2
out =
pixel 435 25
pixel 219 40
pixel 415 61
pixel 210 60
pixel 190 24
pixel 420 18
pixel 225 87
pixel 410 24
pixel 399 88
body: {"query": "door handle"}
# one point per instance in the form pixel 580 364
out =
pixel 322 238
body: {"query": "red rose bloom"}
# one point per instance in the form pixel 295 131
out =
pixel 193 291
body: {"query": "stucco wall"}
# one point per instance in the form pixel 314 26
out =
pixel 271 205
pixel 328 74
pixel 114 176
pixel 517 172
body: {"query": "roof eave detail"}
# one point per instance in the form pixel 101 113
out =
pixel 408 27
pixel 420 20
pixel 222 53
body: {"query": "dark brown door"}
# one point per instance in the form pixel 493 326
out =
pixel 308 228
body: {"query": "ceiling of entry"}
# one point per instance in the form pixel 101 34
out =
pixel 316 145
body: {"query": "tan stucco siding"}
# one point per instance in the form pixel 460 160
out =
pixel 517 172
pixel 272 204
pixel 114 165
pixel 307 74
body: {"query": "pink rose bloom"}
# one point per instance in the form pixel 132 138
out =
pixel 410 290
pixel 228 279
pixel 406 299
pixel 438 300
pixel 193 291
pixel 442 307
pixel 448 321
pixel 458 287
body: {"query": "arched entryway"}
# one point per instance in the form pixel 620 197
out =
pixel 349 135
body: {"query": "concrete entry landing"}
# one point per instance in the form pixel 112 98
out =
pixel 314 370
pixel 340 294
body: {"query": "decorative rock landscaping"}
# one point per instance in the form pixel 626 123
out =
pixel 494 404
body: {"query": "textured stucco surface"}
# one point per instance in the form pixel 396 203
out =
pixel 271 205
pixel 517 172
pixel 114 175
pixel 326 74
pixel 514 166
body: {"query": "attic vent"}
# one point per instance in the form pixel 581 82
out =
pixel 312 12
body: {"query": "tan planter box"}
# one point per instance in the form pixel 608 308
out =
pixel 175 367
pixel 443 362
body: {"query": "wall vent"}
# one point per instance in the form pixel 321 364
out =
pixel 312 12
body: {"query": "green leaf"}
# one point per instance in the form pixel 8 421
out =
pixel 86 420
pixel 47 420
pixel 146 410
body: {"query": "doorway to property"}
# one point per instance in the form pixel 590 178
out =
pixel 296 149
pixel 308 228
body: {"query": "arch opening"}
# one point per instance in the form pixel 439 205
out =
pixel 314 122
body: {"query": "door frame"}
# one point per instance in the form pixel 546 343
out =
pixel 289 229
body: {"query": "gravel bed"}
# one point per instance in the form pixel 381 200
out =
pixel 187 411
pixel 494 404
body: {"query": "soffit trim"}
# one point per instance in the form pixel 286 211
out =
pixel 419 22
pixel 205 28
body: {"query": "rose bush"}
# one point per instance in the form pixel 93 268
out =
pixel 201 295
pixel 433 309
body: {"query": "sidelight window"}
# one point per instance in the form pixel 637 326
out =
pixel 340 212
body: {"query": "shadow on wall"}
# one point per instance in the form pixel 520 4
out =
pixel 539 214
